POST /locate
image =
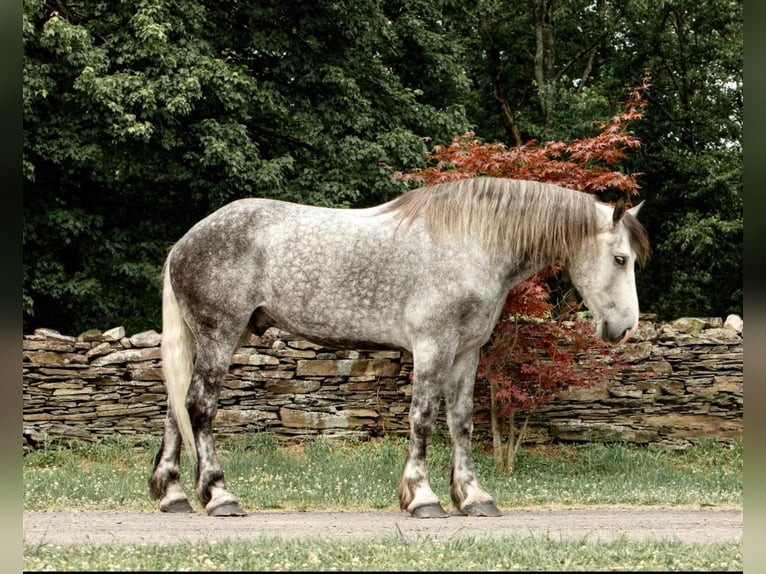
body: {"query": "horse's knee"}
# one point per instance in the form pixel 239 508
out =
pixel 423 414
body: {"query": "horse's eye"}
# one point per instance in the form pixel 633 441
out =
pixel 620 260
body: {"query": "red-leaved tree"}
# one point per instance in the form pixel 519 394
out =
pixel 538 348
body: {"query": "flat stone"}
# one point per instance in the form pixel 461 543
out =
pixel 238 417
pixel 73 391
pixel 690 325
pixel 635 352
pixel 362 413
pixel 735 323
pixel 347 367
pixel 99 350
pixel 61 385
pixel 254 358
pixel 393 355
pixel 46 358
pixel 271 374
pixel 688 425
pixel 294 418
pixel 114 334
pixel 53 335
pixel 586 394
pixel 146 374
pixel 128 355
pixel 302 345
pixel 47 345
pixel 626 391
pixel 146 339
pixel 289 353
pixel 722 334
pixel 299 387
pixel 672 387
pixel 91 336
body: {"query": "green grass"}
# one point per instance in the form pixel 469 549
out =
pixel 324 474
pixel 471 554
pixel 331 474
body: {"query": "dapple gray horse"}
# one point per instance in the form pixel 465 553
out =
pixel 427 272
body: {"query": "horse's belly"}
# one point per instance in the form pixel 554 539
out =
pixel 339 328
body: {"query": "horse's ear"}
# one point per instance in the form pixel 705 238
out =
pixel 619 211
pixel 635 209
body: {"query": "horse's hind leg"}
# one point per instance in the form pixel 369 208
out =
pixel 210 369
pixel 165 481
pixel 467 495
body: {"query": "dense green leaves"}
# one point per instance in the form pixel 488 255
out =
pixel 142 117
pixel 692 157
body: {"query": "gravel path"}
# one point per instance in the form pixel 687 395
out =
pixel 593 523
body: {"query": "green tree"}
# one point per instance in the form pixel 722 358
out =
pixel 545 69
pixel 140 118
pixel 692 155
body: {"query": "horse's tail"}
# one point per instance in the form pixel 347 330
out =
pixel 177 351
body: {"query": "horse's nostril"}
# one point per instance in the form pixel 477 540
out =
pixel 612 336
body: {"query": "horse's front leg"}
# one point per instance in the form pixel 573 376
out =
pixel 210 369
pixel 415 494
pixel 470 498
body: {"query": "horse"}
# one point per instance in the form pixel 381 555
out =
pixel 427 272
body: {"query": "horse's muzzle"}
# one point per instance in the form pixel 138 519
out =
pixel 610 334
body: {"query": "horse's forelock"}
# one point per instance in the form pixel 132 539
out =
pixel 531 221
pixel 639 238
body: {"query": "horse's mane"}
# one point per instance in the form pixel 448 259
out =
pixel 530 221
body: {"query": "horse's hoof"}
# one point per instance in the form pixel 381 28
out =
pixel 487 508
pixel 176 506
pixel 434 510
pixel 227 509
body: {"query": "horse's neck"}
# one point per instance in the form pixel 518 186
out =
pixel 514 272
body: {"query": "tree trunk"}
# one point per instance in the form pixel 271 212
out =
pixel 497 428
pixel 487 33
pixel 545 55
pixel 505 112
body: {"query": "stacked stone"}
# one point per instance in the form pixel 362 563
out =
pixel 100 384
pixel 676 382
pixel 93 385
pixel 298 389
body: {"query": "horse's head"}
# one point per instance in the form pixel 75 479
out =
pixel 603 271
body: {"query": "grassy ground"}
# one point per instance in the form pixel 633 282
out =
pixel 327 474
pixel 363 475
pixel 466 554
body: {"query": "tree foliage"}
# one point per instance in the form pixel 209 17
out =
pixel 142 117
pixel 692 157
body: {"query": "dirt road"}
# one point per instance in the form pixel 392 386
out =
pixel 592 523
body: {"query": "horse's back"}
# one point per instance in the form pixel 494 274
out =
pixel 343 277
pixel 312 271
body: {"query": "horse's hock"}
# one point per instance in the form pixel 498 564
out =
pixel 681 380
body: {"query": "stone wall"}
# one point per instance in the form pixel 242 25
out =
pixel 680 381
